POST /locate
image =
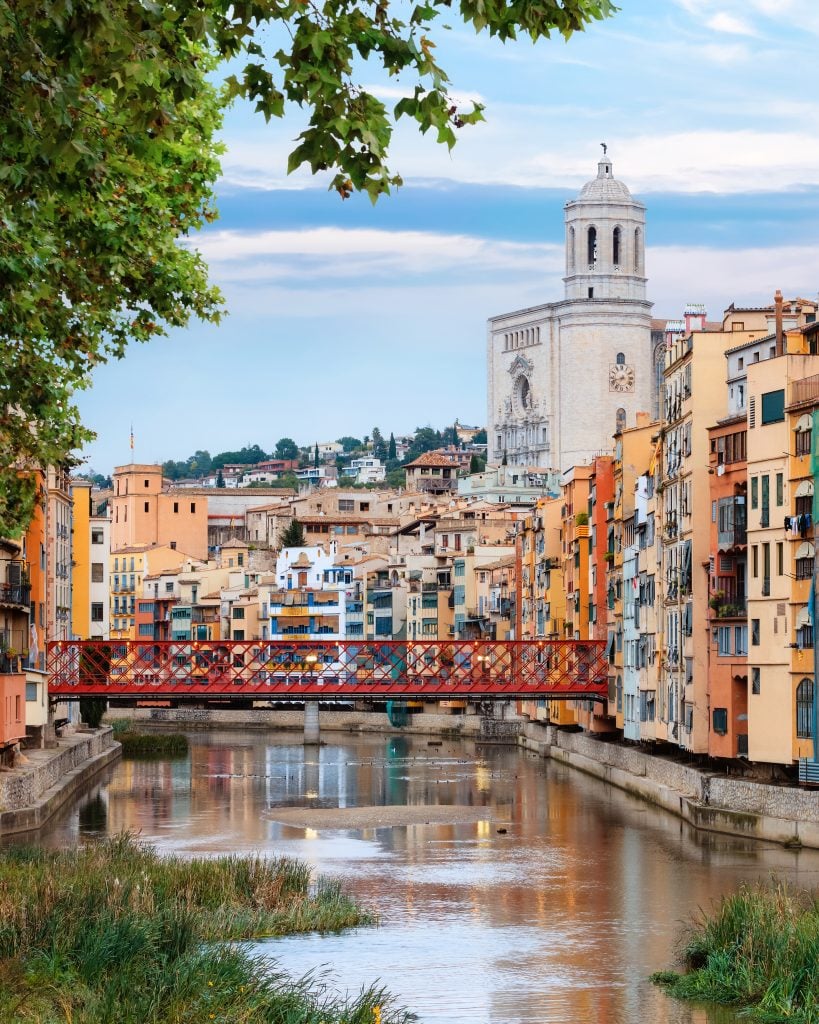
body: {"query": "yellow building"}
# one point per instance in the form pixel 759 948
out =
pixel 127 568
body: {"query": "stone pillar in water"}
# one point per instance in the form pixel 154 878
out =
pixel 312 732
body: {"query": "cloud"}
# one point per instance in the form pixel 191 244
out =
pixel 729 23
pixel 304 256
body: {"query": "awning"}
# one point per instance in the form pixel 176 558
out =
pixel 804 423
pixel 805 489
pixel 805 550
pixel 803 618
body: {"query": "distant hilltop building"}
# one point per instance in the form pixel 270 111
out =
pixel 564 376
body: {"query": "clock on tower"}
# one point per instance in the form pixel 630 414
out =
pixel 621 377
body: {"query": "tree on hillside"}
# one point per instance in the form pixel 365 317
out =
pixel 316 457
pixel 220 479
pixel 480 437
pixel 379 444
pixel 286 448
pixel 477 464
pixel 396 478
pixel 110 153
pixel 425 440
pixel 391 449
pixel 350 444
pixel 247 456
pixel 292 536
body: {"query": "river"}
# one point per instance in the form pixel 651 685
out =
pixel 559 918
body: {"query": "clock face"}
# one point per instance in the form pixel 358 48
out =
pixel 621 378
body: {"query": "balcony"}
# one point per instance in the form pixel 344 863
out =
pixel 16 594
pixel 729 607
pixel 804 391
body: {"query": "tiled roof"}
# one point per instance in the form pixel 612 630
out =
pixel 431 459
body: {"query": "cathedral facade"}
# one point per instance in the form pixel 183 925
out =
pixel 565 376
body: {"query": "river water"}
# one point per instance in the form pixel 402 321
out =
pixel 559 919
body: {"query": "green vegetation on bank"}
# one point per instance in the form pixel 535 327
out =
pixel 114 933
pixel 141 744
pixel 760 950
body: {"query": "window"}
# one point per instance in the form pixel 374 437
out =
pixel 804 709
pixel 193 507
pixel 169 587
pixel 636 250
pixel 724 640
pixel 740 639
pixel 720 719
pixel 348 505
pixel 176 506
pixel 804 568
pixel 765 510
pixel 615 248
pixel 97 612
pixel 752 413
pixel 621 359
pixel 766 570
pixel 238 634
pixel 591 248
pixel 740 361
pixel 238 613
pixel 755 632
pixel 773 407
pixel 756 682
pixel 780 560
pixel 172 545
pixel 97 572
pixel 754 492
pixel 97 537
pixel 147 506
pixel 591 293
pixel 803 442
pixel 147 483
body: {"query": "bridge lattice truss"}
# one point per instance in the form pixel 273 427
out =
pixel 337 669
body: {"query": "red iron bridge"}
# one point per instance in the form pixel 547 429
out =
pixel 276 670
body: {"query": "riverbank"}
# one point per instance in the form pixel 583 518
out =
pixel 112 931
pixel 758 950
pixel 46 779
pixel 706 800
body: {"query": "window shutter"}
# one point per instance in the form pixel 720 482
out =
pixel 752 413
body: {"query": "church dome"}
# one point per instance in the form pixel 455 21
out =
pixel 605 188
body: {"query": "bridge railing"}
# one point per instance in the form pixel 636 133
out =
pixel 295 668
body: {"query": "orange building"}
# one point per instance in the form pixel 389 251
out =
pixel 727 619
pixel 143 514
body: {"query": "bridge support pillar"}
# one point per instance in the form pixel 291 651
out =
pixel 312 731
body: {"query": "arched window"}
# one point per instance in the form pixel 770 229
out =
pixel 621 420
pixel 621 359
pixel 592 247
pixel 804 709
pixel 615 248
pixel 571 250
pixel 637 254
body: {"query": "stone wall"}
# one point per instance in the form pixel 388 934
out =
pixel 329 721
pixel 25 786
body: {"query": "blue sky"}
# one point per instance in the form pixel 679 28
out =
pixel 344 317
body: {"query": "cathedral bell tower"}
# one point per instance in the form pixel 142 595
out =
pixel 605 240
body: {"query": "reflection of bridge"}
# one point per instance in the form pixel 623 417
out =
pixel 263 670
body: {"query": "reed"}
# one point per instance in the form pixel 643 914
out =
pixel 112 932
pixel 760 950
pixel 152 744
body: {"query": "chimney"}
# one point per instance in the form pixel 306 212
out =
pixel 780 349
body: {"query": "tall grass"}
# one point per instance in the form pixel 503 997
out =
pixel 760 949
pixel 152 744
pixel 112 932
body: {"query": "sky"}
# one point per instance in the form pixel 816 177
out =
pixel 344 316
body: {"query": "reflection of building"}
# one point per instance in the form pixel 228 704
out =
pixel 564 376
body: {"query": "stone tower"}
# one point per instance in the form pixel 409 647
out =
pixel 563 377
pixel 605 240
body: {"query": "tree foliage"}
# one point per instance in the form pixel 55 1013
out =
pixel 292 536
pixel 108 156
pixel 350 444
pixel 286 448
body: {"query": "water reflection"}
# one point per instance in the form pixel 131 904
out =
pixel 560 919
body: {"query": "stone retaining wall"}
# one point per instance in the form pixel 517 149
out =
pixel 30 794
pixel 780 814
pixel 269 720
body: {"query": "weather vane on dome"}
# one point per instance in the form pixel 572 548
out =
pixel 605 148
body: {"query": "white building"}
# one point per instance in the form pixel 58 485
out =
pixel 367 470
pixel 564 376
